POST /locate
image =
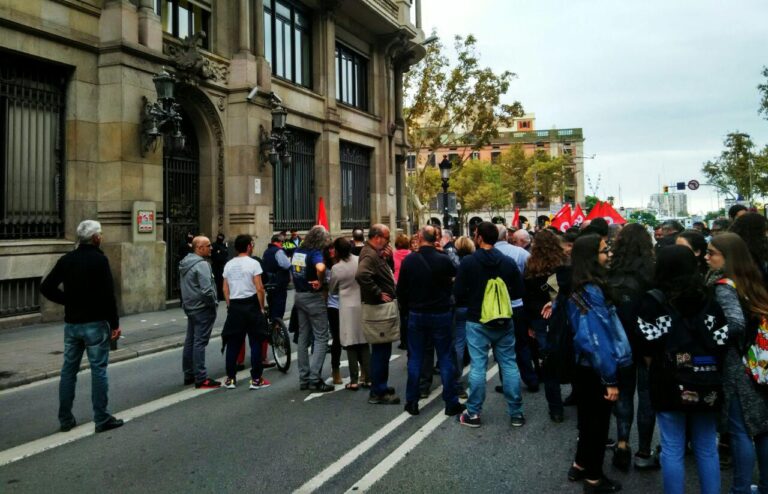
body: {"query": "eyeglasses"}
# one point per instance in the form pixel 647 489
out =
pixel 605 251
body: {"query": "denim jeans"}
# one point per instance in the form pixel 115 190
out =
pixel 92 338
pixel 380 354
pixel 523 350
pixel 480 339
pixel 460 337
pixel 743 450
pixel 703 435
pixel 624 411
pixel 646 417
pixel 551 385
pixel 437 328
pixel 199 327
pixel 313 323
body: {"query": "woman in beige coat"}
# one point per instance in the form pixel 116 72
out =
pixel 350 312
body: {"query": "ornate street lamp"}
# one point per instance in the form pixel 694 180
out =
pixel 163 117
pixel 445 175
pixel 274 144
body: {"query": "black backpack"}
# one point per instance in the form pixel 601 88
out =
pixel 558 358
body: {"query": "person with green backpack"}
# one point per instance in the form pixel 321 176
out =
pixel 486 283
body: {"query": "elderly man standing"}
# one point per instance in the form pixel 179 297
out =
pixel 90 316
pixel 377 287
pixel 521 238
pixel 198 299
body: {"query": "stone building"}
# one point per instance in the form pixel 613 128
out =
pixel 84 133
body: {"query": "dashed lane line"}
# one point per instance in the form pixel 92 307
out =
pixel 354 454
pixel 388 463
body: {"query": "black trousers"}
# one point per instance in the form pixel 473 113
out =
pixel 594 417
pixel 333 322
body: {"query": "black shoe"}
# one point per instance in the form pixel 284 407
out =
pixel 390 399
pixel 68 427
pixel 604 485
pixel 557 418
pixel 402 346
pixel 412 408
pixel 533 389
pixel 622 457
pixel 390 390
pixel 321 387
pixel 423 394
pixel 499 389
pixel 517 421
pixel 110 424
pixel 455 409
pixel 304 386
pixel 575 474
pixel 570 401
pixel 189 380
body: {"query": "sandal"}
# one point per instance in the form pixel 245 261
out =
pixel 351 387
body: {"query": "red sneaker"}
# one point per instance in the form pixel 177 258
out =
pixel 208 384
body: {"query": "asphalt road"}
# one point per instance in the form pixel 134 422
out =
pixel 280 439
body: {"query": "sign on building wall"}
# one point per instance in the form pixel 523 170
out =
pixel 145 221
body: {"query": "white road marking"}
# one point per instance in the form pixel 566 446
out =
pixel 352 455
pixel 380 470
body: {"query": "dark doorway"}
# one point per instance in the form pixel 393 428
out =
pixel 181 199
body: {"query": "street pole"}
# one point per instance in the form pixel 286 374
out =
pixel 445 176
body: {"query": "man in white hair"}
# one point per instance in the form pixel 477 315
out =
pixel 91 321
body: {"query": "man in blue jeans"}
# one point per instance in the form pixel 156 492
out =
pixel 469 289
pixel 424 289
pixel 90 314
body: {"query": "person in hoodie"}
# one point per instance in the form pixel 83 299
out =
pixel 469 288
pixel 198 299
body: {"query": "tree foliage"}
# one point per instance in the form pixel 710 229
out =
pixel 738 170
pixel 644 218
pixel 589 203
pixel 763 89
pixel 456 103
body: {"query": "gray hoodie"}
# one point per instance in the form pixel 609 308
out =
pixel 198 290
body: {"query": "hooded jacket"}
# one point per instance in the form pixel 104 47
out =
pixel 198 290
pixel 475 271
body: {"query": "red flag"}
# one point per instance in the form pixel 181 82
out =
pixel 322 217
pixel 562 219
pixel 611 215
pixel 578 216
pixel 595 212
pixel 516 218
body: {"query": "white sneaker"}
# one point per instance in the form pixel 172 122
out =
pixel 230 383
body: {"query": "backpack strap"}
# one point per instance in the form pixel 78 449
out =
pixel 658 296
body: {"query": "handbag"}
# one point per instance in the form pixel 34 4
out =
pixel 381 322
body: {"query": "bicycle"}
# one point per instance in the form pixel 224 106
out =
pixel 279 339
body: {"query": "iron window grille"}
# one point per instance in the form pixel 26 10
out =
pixel 351 78
pixel 355 185
pixel 32 97
pixel 294 198
pixel 288 41
pixel 19 296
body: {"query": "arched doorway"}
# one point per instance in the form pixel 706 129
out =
pixel 181 200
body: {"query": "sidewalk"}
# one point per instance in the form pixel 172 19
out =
pixel 33 353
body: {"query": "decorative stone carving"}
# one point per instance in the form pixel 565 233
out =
pixel 191 64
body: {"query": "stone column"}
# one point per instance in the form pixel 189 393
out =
pixel 150 29
pixel 119 22
pixel 263 69
pixel 244 27
pixel 418 14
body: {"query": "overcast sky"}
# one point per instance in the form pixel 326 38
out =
pixel 656 85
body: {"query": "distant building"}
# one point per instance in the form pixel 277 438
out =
pixel 670 205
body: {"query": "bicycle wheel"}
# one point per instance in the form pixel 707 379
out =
pixel 281 345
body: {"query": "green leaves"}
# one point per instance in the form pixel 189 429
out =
pixel 763 89
pixel 739 170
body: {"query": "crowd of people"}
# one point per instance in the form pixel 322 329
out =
pixel 670 328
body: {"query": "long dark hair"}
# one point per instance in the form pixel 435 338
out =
pixel 751 227
pixel 699 244
pixel 585 263
pixel 742 270
pixel 633 253
pixel 678 276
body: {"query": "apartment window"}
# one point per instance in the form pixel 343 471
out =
pixel 32 96
pixel 287 41
pixel 453 158
pixel 525 124
pixel 183 18
pixel 351 77
pixel 495 156
pixel 475 155
pixel 410 162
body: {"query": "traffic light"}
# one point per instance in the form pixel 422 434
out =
pixel 666 189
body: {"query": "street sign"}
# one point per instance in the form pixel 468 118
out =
pixel 680 185
pixel 451 202
pixel 693 184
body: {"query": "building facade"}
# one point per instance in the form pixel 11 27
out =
pixel 669 204
pixel 554 142
pixel 85 135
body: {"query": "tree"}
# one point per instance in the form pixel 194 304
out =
pixel 547 174
pixel 738 170
pixel 481 186
pixel 421 187
pixel 589 202
pixel 456 105
pixel 644 218
pixel 763 89
pixel 712 215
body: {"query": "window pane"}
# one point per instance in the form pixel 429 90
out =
pixel 301 20
pixel 299 51
pixel 288 52
pixel 283 10
pixel 306 59
pixel 268 37
pixel 166 15
pixel 184 27
pixel 338 76
pixel 279 50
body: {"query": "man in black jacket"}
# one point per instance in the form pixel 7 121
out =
pixel 90 316
pixel 424 289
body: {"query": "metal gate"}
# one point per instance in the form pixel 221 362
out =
pixel 181 199
pixel 294 200
pixel 355 185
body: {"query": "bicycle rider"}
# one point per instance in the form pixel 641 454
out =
pixel 277 274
